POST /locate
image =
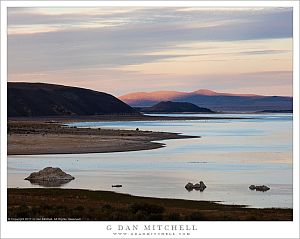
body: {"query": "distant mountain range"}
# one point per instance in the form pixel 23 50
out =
pixel 213 100
pixel 174 107
pixel 38 99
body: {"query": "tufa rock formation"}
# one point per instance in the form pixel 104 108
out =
pixel 189 186
pixel 198 186
pixel 50 177
pixel 261 188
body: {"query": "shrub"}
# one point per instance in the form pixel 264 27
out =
pixel 147 208
pixel 107 206
pixel 45 206
pixel 79 208
pixel 61 207
pixel 196 216
pixel 23 211
pixel 154 217
pixel 174 216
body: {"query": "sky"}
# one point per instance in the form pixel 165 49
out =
pixel 119 50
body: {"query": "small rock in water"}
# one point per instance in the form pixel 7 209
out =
pixel 117 186
pixel 202 186
pixel 198 186
pixel 261 188
pixel 189 186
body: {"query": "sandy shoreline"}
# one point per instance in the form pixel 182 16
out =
pixel 49 137
pixel 68 119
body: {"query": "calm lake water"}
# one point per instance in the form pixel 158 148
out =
pixel 229 157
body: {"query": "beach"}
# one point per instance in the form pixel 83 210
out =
pixel 31 137
pixel 50 135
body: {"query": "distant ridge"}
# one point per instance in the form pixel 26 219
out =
pixel 213 100
pixel 175 107
pixel 39 99
pixel 275 111
pixel 210 92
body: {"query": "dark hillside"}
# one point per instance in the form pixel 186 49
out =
pixel 39 99
pixel 174 107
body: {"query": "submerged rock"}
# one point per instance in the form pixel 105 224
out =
pixel 51 177
pixel 261 188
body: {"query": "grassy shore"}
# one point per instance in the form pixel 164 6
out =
pixel 75 204
pixel 52 137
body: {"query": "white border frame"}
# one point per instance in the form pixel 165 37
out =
pixel 98 229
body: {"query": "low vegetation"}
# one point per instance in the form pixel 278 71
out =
pixel 73 204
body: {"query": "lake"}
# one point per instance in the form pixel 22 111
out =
pixel 229 157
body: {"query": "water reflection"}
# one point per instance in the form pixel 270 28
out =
pixel 44 183
pixel 229 156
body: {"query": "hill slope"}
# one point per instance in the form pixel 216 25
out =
pixel 212 100
pixel 38 99
pixel 175 107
